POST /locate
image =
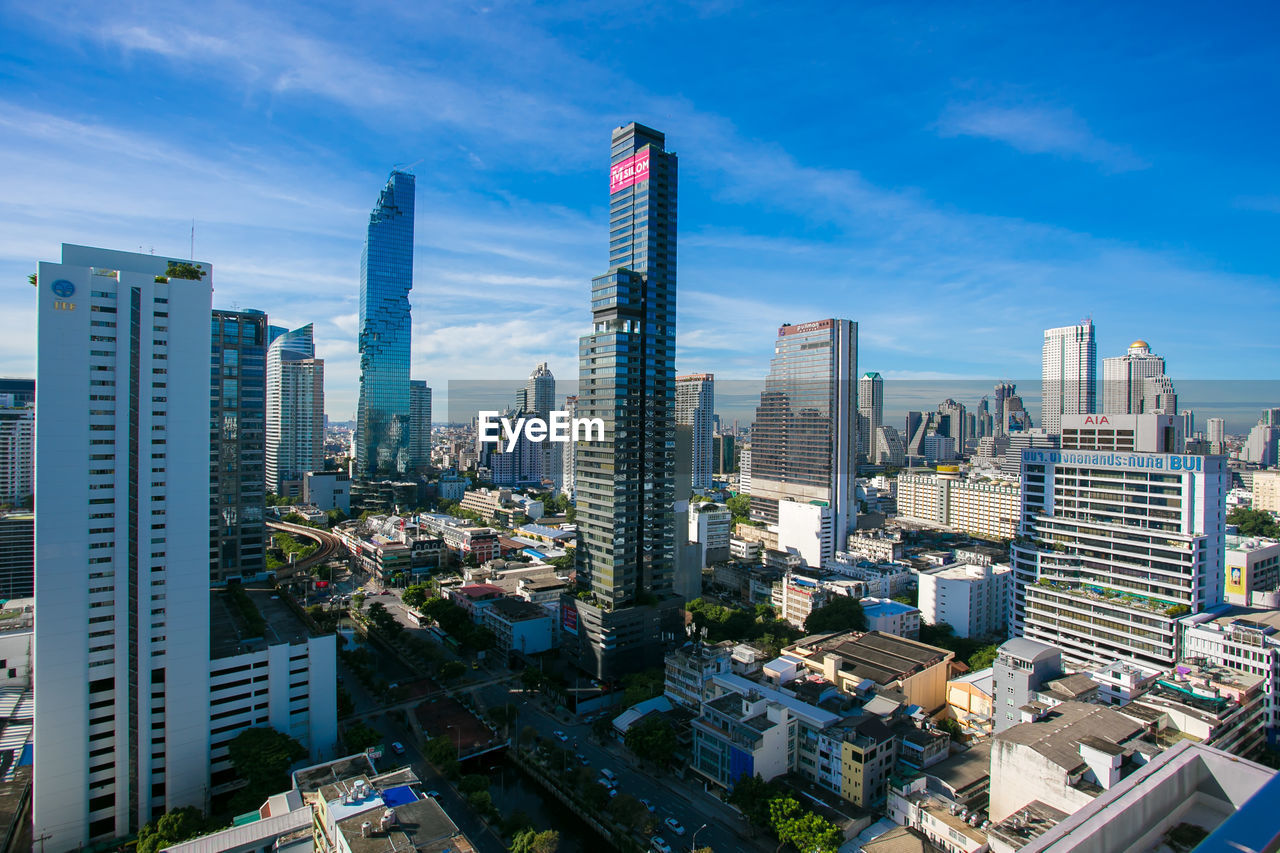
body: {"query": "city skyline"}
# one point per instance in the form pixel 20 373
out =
pixel 878 220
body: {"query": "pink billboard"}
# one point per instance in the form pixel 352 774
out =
pixel 629 172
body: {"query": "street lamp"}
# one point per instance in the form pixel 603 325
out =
pixel 458 734
pixel 694 844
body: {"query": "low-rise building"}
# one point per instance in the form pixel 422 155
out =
pixel 1266 491
pixel 795 596
pixel 856 662
pixel 709 525
pixel 744 549
pixel 973 599
pixel 883 580
pixel 519 626
pixel 689 668
pixel 877 546
pixel 892 617
pixel 1211 704
pixel 473 597
pixel 1252 570
pixel 327 490
pixel 462 538
pixel 1245 639
pixel 1120 682
pixel 969 702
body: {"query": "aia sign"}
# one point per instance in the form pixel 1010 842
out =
pixel 1096 420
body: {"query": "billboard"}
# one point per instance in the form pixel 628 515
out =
pixel 569 619
pixel 806 327
pixel 629 172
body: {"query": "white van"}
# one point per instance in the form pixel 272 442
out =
pixel 606 773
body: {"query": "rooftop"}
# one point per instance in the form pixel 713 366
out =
pixel 1057 735
pixel 518 610
pixel 315 777
pixel 883 658
pixel 1024 649
pixel 1028 823
pixel 230 633
pixel 1071 686
pixel 964 769
pixel 419 825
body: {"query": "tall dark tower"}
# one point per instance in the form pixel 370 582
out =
pixel 625 485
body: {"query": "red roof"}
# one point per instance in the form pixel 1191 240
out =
pixel 481 590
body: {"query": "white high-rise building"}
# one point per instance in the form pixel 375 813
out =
pixel 122 574
pixel 569 452
pixel 295 411
pixel 744 470
pixel 1069 383
pixel 695 408
pixel 1115 546
pixel 17 451
pixel 1216 432
pixel 1123 379
pixel 870 414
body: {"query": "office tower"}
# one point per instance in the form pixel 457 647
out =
pixel 1216 432
pixel 744 469
pixel 1069 382
pixel 295 410
pixel 1115 547
pixel 723 453
pixel 870 414
pixel 1262 445
pixel 237 428
pixel 386 277
pixel 625 484
pixel 122 584
pixel 1123 377
pixel 569 453
pixel 804 443
pixel 1271 417
pixel 954 423
pixel 17 555
pixel 1158 396
pixel 540 400
pixel 890 451
pixel 17 450
pixel 695 406
pixel 23 391
pixel 419 424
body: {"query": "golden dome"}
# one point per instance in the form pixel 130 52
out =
pixel 1137 344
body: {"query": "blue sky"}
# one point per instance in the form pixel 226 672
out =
pixel 954 180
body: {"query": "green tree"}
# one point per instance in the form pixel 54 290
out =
pixel 171 828
pixel 983 657
pixel 532 841
pixel 752 795
pixel 453 669
pixel 262 756
pixel 639 686
pixel 740 507
pixel 652 740
pixel 528 735
pixel 841 613
pixel 473 782
pixel 359 736
pixel 416 595
pixel 1254 522
pixel 629 811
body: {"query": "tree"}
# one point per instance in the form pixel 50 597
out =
pixel 453 669
pixel 1254 522
pixel 740 507
pixel 629 811
pixel 983 657
pixel 357 600
pixel 262 756
pixel 416 595
pixel 652 740
pixel 532 841
pixel 359 736
pixel 841 613
pixel 639 686
pixel 171 828
pixel 752 795
pixel 473 782
pixel 528 735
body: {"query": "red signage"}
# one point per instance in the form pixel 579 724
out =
pixel 1097 420
pixel 806 327
pixel 629 172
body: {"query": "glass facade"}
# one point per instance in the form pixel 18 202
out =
pixel 237 424
pixel 804 442
pixel 295 410
pixel 420 424
pixel 625 485
pixel 383 424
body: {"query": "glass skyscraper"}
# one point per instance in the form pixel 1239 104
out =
pixel 625 485
pixel 386 276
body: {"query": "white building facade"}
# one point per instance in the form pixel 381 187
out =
pixel 17 453
pixel 972 599
pixel 295 411
pixel 1069 383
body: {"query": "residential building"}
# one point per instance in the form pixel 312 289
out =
pixel 970 701
pixel 1009 413
pixel 1252 569
pixel 123 344
pixel 17 450
pixel 1244 639
pixel 744 469
pixel 804 441
pixel 1262 446
pixel 295 411
pixel 889 449
pixel 892 617
pixel 383 426
pixel 867 753
pixel 709 525
pixel 954 423
pixel 1216 433
pixel 1119 683
pixel 419 425
pixel 695 407
pixel 1021 668
pixel 18 392
pixel 326 490
pixel 237 464
pixel 493 504
pixel 1209 703
pixel 849 659
pixel 1188 787
pixel 569 453
pixel 1159 397
pixel 870 414
pixel 689 669
pixel 980 506
pixel 519 626
pixel 944 803
pixel 1266 491
pixel 625 484
pixel 1124 377
pixel 1063 757
pixel 1069 384
pixel 462 538
pixel 973 599
pixel 17 555
pixel 1114 548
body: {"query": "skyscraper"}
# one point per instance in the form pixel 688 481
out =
pixel 295 410
pixel 695 408
pixel 1069 379
pixel 386 276
pixel 804 442
pixel 122 512
pixel 625 484
pixel 569 453
pixel 1216 432
pixel 1123 379
pixel 237 427
pixel 540 399
pixel 419 424
pixel 954 422
pixel 870 414
pixel 17 450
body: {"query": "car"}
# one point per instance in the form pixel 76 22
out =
pixel 385 592
pixel 561 736
pixel 582 759
pixel 613 792
pixel 433 794
pixel 393 685
pixel 475 664
pixel 397 747
pixel 648 805
pixel 674 825
pixel 658 844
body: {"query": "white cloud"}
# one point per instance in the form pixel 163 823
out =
pixel 1038 130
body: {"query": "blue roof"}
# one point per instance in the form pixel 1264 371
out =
pixel 401 795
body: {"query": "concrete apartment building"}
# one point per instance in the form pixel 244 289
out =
pixel 971 504
pixel 972 599
pixel 1252 574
